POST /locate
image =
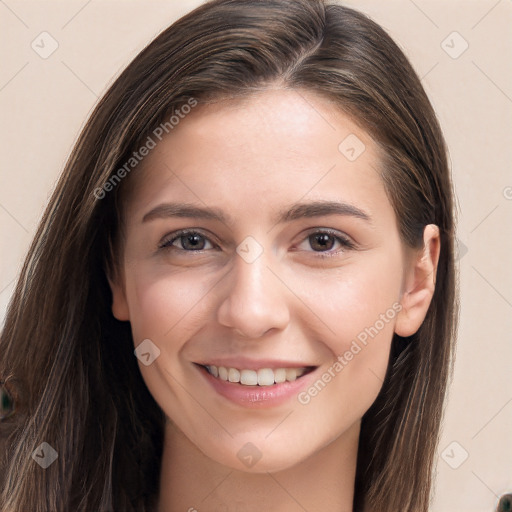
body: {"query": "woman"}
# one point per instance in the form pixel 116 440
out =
pixel 259 210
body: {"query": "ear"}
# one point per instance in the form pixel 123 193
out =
pixel 119 303
pixel 419 283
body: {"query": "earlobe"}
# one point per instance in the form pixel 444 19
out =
pixel 119 303
pixel 419 284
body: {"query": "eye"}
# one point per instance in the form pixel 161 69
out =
pixel 188 241
pixel 323 241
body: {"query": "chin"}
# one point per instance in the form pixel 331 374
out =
pixel 250 459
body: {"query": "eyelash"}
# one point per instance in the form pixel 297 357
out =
pixel 344 241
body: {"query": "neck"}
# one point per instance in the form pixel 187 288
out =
pixel 192 482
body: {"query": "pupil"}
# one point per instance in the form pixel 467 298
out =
pixel 193 240
pixel 323 240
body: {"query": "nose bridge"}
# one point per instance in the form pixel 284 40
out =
pixel 255 301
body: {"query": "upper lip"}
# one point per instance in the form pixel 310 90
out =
pixel 254 364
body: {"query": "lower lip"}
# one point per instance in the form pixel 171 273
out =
pixel 257 396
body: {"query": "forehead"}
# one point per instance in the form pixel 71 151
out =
pixel 248 153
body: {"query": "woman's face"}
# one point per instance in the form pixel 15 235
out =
pixel 290 268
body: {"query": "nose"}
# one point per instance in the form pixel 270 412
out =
pixel 255 301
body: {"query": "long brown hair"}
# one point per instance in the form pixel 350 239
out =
pixel 69 365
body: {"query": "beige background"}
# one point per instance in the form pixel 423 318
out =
pixel 44 103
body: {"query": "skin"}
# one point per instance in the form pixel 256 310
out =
pixel 253 158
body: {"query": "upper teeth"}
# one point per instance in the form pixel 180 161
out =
pixel 262 377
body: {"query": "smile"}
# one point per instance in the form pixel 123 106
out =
pixel 261 377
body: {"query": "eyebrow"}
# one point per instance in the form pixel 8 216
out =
pixel 294 212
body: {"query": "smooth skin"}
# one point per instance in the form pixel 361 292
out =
pixel 252 159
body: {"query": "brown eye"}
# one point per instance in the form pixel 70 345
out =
pixel 6 403
pixel 327 243
pixel 322 241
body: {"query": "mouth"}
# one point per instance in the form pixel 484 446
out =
pixel 262 377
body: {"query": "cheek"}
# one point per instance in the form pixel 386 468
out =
pixel 160 304
pixel 354 299
pixel 362 312
pixel 360 306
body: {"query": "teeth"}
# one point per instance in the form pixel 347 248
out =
pixel 280 375
pixel 223 373
pixel 233 375
pixel 247 377
pixel 291 374
pixel 265 377
pixel 262 377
